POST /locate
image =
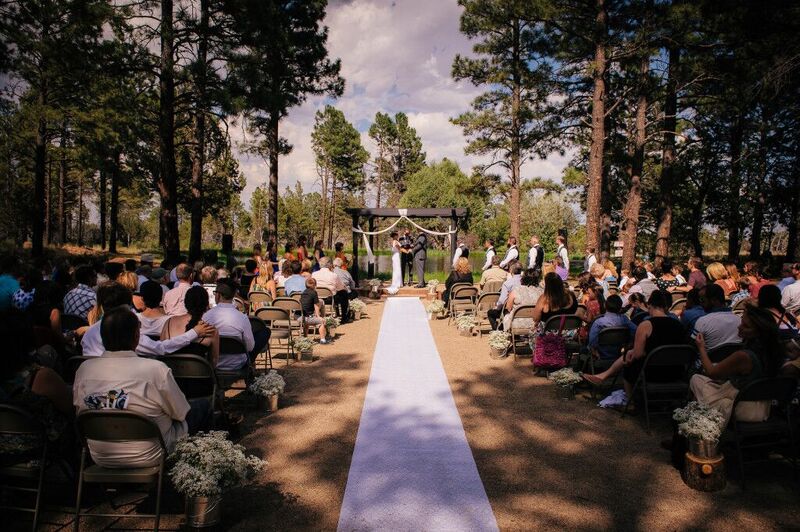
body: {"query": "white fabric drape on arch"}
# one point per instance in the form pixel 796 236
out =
pixel 403 216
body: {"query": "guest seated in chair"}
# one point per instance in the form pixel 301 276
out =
pixel 231 323
pixel 761 356
pixel 462 273
pixel 312 310
pixel 527 293
pixel 327 278
pixel 514 279
pixel 119 379
pixel 658 330
pixel 613 317
pixel 196 302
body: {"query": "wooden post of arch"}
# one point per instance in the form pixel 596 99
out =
pixel 356 236
pixel 371 265
pixel 454 237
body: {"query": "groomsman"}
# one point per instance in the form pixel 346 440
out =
pixel 489 247
pixel 512 253
pixel 562 252
pixel 461 251
pixel 420 251
pixel 536 254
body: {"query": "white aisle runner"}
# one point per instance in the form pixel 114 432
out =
pixel 412 467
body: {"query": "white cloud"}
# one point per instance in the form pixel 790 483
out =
pixel 396 57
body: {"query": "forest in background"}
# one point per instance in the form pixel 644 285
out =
pixel 115 123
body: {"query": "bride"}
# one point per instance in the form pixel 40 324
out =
pixel 397 272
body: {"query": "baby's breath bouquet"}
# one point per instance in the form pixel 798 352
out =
pixel 208 464
pixel 374 283
pixel 270 384
pixel 499 340
pixel 565 377
pixel 304 343
pixel 435 307
pixel 358 306
pixel 465 322
pixel 331 322
pixel 699 421
pixel 433 283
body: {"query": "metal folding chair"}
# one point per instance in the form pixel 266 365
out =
pixel 462 300
pixel 486 302
pixel 520 333
pixel 117 426
pixel 280 322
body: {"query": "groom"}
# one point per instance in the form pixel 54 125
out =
pixel 420 256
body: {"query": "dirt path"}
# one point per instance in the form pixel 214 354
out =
pixel 553 464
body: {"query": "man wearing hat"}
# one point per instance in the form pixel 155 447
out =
pixel 145 269
pixel 159 275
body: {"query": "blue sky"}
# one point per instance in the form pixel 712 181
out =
pixel 396 56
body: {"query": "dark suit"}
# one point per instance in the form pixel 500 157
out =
pixel 420 251
pixel 406 242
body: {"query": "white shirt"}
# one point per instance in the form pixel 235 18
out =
pixel 231 323
pixel 532 254
pixel 511 254
pixel 790 298
pixel 328 279
pixel 121 380
pixel 564 254
pixel 489 256
pixel 92 343
pixel 152 326
pixel 173 300
pixel 591 260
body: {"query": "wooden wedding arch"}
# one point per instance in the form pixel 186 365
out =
pixel 455 215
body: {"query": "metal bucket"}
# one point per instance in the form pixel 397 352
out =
pixel 203 512
pixel 465 332
pixel 268 402
pixel 703 448
pixel 566 393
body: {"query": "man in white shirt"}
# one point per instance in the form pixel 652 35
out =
pixel 561 251
pixel 327 278
pixel 512 254
pixel 113 295
pixel 121 380
pixel 591 260
pixel 173 300
pixel 231 323
pixel 489 246
pixel 535 255
pixel 790 299
pixel 719 326
pixel 461 251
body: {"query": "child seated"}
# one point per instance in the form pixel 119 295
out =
pixel 309 301
pixel 744 291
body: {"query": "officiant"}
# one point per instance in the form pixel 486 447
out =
pixel 420 251
pixel 407 258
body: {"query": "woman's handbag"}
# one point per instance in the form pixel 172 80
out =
pixel 550 351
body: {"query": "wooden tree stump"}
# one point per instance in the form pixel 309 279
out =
pixel 704 474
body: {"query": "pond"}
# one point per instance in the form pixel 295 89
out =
pixel 437 262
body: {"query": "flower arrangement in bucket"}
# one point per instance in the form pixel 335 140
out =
pixel 565 379
pixel 432 285
pixel 499 342
pixel 358 307
pixel 331 322
pixel 374 287
pixel 205 466
pixel 267 388
pixel 465 323
pixel 303 347
pixel 702 425
pixel 434 308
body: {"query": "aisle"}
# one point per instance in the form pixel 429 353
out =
pixel 412 467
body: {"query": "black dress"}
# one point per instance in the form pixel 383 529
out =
pixel 666 331
pixel 452 279
pixel 571 309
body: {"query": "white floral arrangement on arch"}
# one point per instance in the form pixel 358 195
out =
pixel 208 464
pixel 270 384
pixel 465 321
pixel 699 421
pixel 304 343
pixel 435 307
pixel 358 306
pixel 499 340
pixel 565 377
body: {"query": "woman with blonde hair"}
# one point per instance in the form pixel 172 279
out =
pixel 719 275
pixel 264 282
pixel 462 273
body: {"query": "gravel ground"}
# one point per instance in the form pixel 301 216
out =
pixel 546 463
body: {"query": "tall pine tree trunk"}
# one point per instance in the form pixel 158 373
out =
pixel 167 179
pixel 103 208
pixel 324 207
pixel 735 184
pixel 761 186
pixel 39 172
pixel 633 204
pixel 80 209
pixel 793 227
pixel 274 143
pixel 114 211
pixel 62 187
pixel 198 155
pixel 48 201
pixel 667 181
pixel 516 158
pixel 598 137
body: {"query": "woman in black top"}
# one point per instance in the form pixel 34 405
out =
pixel 462 273
pixel 659 329
pixel 555 301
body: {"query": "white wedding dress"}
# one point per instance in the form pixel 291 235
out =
pixel 397 272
